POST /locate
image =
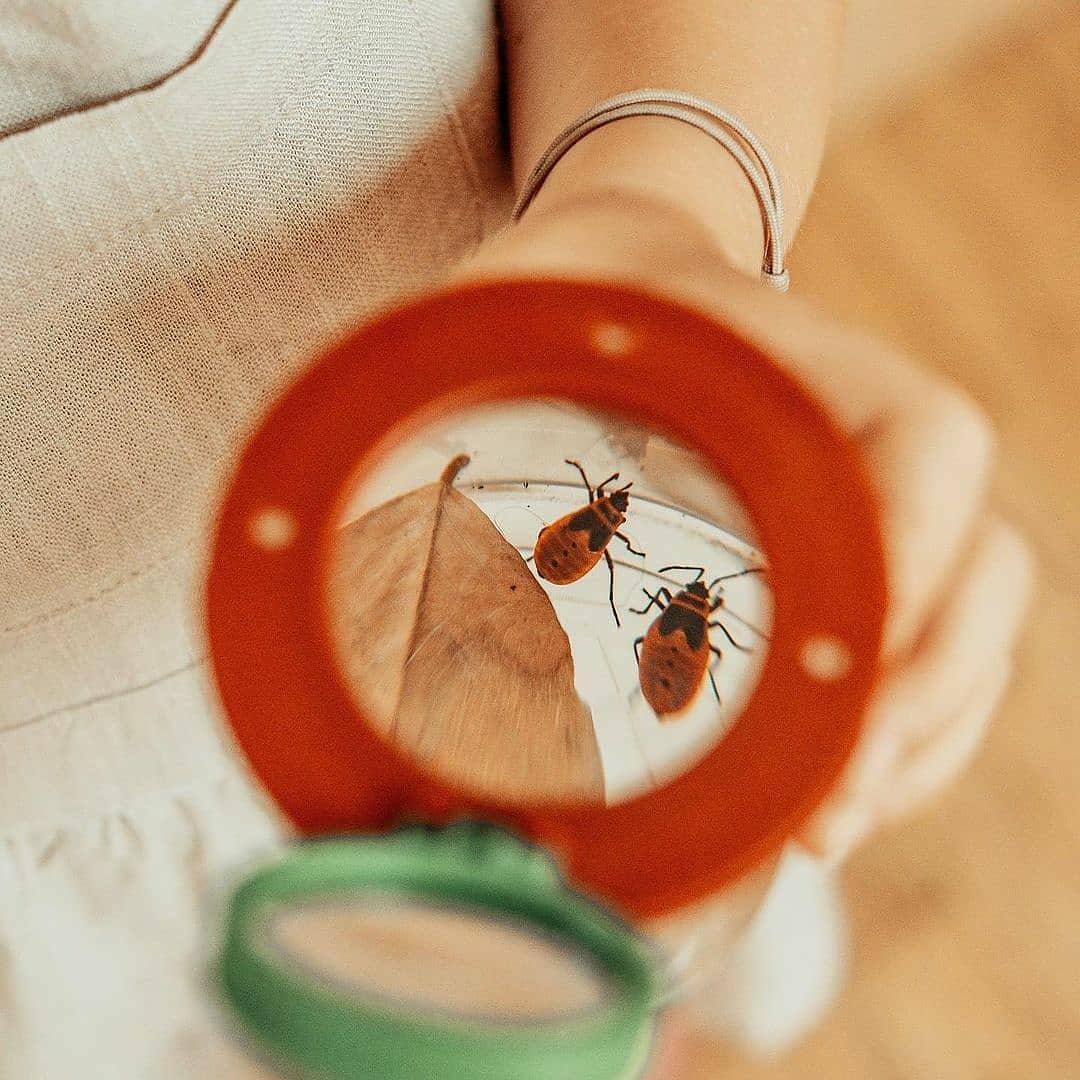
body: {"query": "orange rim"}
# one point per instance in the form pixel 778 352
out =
pixel 798 476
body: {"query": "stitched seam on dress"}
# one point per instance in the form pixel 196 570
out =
pixel 457 125
pixel 73 605
pixel 133 231
pixel 100 699
pixel 153 84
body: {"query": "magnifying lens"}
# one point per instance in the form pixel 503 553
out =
pixel 535 600
pixel 564 603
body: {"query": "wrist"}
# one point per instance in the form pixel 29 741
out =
pixel 616 235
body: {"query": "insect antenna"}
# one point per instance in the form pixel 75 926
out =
pixel 699 570
pixel 740 573
pixel 600 492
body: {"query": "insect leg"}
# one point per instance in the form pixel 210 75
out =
pixel 637 649
pixel 584 478
pixel 721 626
pixel 611 585
pixel 714 690
pixel 630 547
pixel 654 599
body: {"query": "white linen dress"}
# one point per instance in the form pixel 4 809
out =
pixel 168 257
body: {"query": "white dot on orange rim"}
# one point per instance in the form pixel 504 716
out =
pixel 611 338
pixel 825 658
pixel 273 529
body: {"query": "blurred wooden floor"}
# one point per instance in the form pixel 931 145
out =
pixel 952 226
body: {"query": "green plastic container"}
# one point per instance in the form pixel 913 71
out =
pixel 310 1027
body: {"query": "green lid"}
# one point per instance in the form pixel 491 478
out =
pixel 315 1028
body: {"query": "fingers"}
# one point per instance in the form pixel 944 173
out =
pixel 958 592
pixel 845 824
pixel 934 766
pixel 977 625
pixel 930 462
pixel 929 716
pixel 930 771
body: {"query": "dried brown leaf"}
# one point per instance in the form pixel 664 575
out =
pixel 454 648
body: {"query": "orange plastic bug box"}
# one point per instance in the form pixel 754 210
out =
pixel 566 558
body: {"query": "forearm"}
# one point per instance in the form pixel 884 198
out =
pixel 770 62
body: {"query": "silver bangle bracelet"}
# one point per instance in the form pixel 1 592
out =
pixel 726 129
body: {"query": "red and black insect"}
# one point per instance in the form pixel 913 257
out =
pixel 673 654
pixel 567 549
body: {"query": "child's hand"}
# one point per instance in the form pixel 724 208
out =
pixel 959 577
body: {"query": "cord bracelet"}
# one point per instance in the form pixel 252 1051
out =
pixel 725 128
